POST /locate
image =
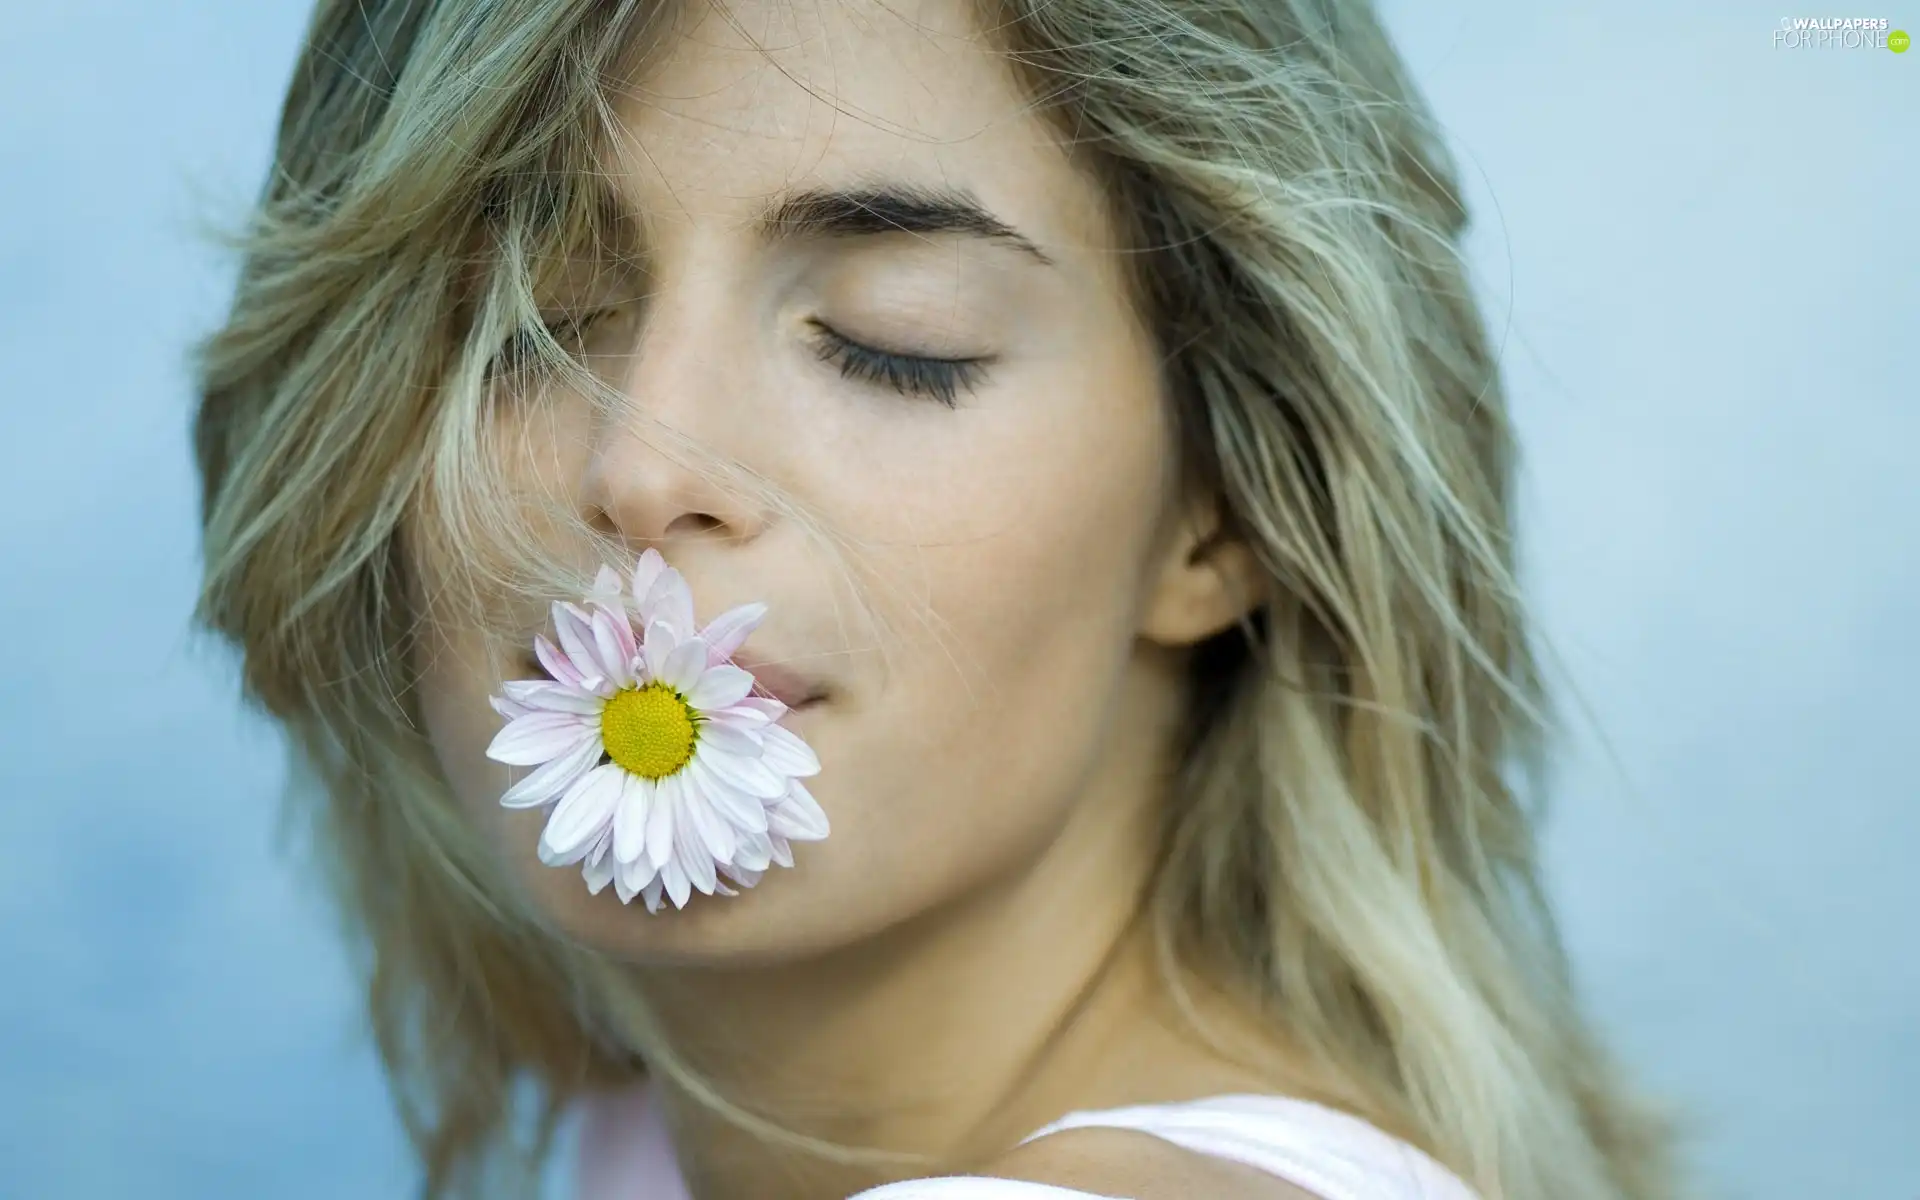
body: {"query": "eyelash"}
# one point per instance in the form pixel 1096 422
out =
pixel 939 379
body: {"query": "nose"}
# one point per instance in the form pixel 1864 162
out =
pixel 672 465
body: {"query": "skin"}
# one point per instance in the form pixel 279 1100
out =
pixel 995 742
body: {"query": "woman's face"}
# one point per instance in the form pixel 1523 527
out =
pixel 985 681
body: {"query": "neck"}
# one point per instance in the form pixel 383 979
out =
pixel 958 1031
pixel 948 1037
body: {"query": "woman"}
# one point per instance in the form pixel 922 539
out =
pixel 1091 391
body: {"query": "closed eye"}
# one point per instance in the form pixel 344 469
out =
pixel 938 379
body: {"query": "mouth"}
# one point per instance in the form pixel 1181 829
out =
pixel 798 691
pixel 794 689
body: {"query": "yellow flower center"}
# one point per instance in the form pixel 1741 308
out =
pixel 649 731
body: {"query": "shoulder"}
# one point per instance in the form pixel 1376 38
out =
pixel 1139 1166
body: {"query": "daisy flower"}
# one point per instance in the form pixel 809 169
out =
pixel 661 773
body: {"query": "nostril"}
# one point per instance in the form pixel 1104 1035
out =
pixel 693 523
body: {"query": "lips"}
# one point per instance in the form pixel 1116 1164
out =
pixel 791 688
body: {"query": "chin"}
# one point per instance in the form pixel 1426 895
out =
pixel 791 914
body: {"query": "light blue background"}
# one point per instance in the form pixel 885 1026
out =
pixel 1700 252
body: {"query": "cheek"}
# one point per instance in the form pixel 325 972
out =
pixel 1025 537
pixel 453 690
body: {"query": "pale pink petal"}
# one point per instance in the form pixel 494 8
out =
pixel 656 649
pixel 630 819
pixel 660 820
pixel 727 632
pixel 645 572
pixel 783 751
pixel 545 694
pixel 745 720
pixel 608 592
pixel 575 629
pixel 559 774
pixel 585 812
pixel 556 663
pixel 537 737
pixel 669 600
pixel 798 816
pixel 720 687
pixel 750 775
pixel 685 665
pixel 613 639
pixel 767 706
pixel 507 708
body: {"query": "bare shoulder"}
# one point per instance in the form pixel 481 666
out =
pixel 1122 1162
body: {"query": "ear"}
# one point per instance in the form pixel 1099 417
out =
pixel 1206 580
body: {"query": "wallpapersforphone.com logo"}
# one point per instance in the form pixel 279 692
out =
pixel 1840 33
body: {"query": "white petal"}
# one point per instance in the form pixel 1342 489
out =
pixel 557 776
pixel 782 853
pixel 631 879
pixel 711 829
pixel 746 720
pixel 595 853
pixel 584 813
pixel 651 893
pixel 660 821
pixel 750 775
pixel 742 811
pixel 599 685
pixel 742 876
pixel 689 847
pixel 754 854
pixel 719 687
pixel 630 819
pixel 728 631
pixel 537 737
pixel 783 751
pixel 679 887
pixel 772 709
pixel 730 739
pixel 798 815
pixel 600 873
pixel 685 665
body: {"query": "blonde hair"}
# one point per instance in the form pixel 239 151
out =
pixel 1346 844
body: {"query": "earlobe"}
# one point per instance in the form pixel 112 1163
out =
pixel 1208 580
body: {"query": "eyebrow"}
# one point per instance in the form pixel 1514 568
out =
pixel 889 208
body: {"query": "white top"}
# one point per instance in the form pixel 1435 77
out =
pixel 1334 1155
